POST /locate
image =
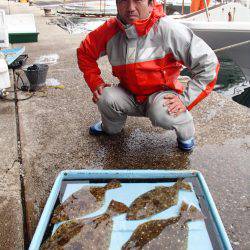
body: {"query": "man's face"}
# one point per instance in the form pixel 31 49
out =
pixel 132 10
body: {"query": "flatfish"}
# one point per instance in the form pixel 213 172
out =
pixel 84 201
pixel 164 234
pixel 88 233
pixel 155 201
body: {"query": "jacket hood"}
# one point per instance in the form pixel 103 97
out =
pixel 142 26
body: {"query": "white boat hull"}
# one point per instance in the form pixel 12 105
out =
pixel 219 32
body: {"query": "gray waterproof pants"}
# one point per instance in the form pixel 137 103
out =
pixel 116 103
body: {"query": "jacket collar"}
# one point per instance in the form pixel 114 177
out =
pixel 141 27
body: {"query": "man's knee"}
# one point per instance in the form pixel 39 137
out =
pixel 159 115
pixel 108 97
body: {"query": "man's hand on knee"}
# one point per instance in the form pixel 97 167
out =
pixel 97 93
pixel 174 104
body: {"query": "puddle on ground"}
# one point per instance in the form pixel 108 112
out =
pixel 141 150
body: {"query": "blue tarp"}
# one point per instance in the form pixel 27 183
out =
pixel 12 54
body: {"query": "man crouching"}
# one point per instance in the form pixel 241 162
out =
pixel 147 50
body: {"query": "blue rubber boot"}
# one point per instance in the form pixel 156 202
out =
pixel 96 129
pixel 187 145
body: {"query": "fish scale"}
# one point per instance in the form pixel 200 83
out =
pixel 164 234
pixel 84 201
pixel 89 233
pixel 155 201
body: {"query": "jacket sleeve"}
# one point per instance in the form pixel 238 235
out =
pixel 93 47
pixel 199 58
pixel 87 55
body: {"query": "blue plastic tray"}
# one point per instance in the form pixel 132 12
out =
pixel 204 234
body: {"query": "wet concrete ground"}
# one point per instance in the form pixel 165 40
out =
pixel 10 198
pixel 54 137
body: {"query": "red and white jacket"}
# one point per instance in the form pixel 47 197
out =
pixel 148 55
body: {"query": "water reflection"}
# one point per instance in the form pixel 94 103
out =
pixel 232 82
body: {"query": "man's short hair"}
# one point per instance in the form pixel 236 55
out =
pixel 149 1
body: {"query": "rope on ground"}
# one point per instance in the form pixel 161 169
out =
pixel 232 46
pixel 13 99
pixel 41 93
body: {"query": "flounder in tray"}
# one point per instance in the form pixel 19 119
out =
pixel 88 233
pixel 155 201
pixel 164 234
pixel 84 201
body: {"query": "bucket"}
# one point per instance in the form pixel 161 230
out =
pixel 36 75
